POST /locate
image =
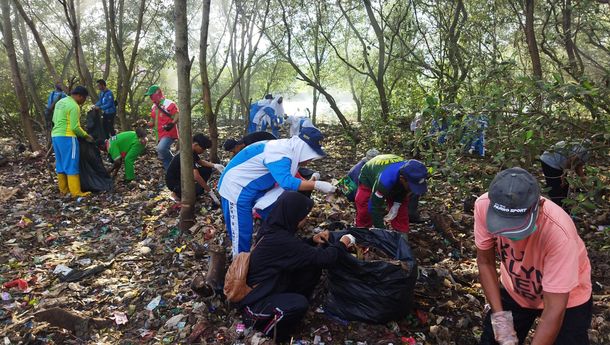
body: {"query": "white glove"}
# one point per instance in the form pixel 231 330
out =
pixel 504 330
pixel 393 212
pixel 351 238
pixel 315 176
pixel 325 187
pixel 219 167
pixel 214 197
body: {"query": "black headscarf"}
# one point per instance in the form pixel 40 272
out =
pixel 289 209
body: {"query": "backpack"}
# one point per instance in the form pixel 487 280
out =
pixel 48 113
pixel 236 288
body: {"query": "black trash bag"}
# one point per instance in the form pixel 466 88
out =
pixel 94 125
pixel 373 291
pixel 93 175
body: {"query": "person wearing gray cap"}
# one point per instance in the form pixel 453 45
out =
pixel 556 161
pixel 544 267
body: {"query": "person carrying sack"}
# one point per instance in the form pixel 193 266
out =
pixel 66 130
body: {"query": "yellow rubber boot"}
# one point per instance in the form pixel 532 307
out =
pixel 74 185
pixel 62 182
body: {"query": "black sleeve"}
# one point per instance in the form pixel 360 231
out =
pixel 304 254
pixel 195 160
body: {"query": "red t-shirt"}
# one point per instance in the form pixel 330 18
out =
pixel 163 119
pixel 552 259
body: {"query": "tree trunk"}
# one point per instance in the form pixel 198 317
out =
pixel 355 97
pixel 314 110
pixel 183 67
pixel 567 39
pixel 7 32
pixel 126 67
pixel 530 36
pixel 81 64
pixel 381 67
pixel 205 81
pixel 43 51
pixel 29 68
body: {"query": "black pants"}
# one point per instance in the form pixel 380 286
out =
pixel 557 192
pixel 108 123
pixel 576 322
pixel 279 314
pixel 205 174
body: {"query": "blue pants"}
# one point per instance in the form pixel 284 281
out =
pixel 67 154
pixel 239 222
pixel 251 127
pixel 163 151
pixel 274 129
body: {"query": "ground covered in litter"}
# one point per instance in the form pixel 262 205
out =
pixel 118 270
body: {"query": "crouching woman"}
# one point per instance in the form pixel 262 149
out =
pixel 284 270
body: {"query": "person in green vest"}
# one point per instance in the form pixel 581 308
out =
pixel 64 136
pixel 385 185
pixel 127 147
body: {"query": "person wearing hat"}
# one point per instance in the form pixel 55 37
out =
pixel 352 179
pixel 254 109
pixel 544 266
pixel 164 114
pixel 106 104
pixel 202 170
pixel 126 146
pixel 556 161
pixel 256 170
pixel 64 136
pixel 386 181
pixel 234 146
pixel 296 123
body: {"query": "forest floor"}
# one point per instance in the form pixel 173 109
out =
pixel 143 295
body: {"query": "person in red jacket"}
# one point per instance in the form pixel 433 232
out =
pixel 164 115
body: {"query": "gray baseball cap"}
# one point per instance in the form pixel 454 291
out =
pixel 514 196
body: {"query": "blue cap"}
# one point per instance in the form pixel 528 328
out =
pixel 312 136
pixel 416 174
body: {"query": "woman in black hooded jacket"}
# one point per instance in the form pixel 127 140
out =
pixel 284 270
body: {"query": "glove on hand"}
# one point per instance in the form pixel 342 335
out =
pixel 219 167
pixel 168 126
pixel 504 330
pixel 348 240
pixel 325 187
pixel 393 212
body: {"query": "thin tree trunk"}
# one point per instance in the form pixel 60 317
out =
pixel 205 81
pixel 530 36
pixel 126 68
pixel 81 64
pixel 381 67
pixel 314 112
pixel 43 51
pixel 29 68
pixel 7 33
pixel 187 212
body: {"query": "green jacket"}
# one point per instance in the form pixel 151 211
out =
pixel 128 146
pixel 382 175
pixel 66 119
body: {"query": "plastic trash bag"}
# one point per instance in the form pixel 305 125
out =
pixel 94 125
pixel 372 291
pixel 93 175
